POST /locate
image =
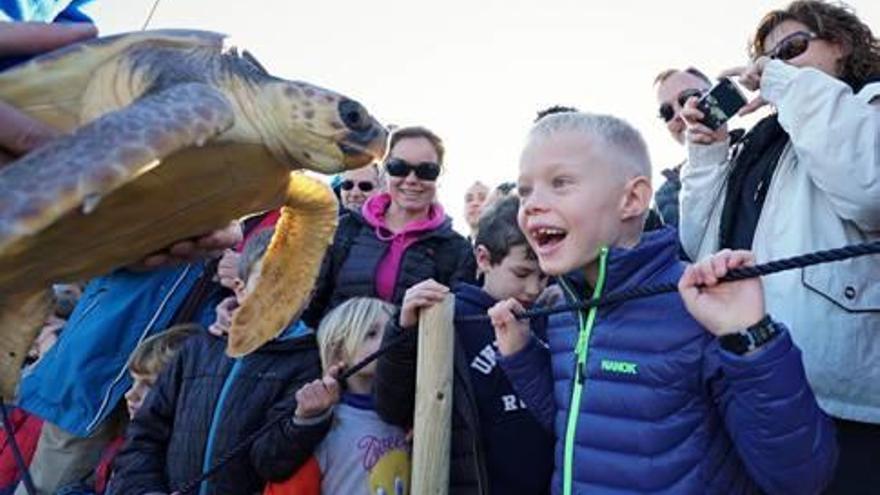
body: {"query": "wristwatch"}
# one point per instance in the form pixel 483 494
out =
pixel 751 338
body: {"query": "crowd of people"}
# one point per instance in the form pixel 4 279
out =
pixel 767 385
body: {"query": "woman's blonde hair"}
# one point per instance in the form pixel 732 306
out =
pixel 345 328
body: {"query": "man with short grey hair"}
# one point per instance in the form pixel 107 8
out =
pixel 674 87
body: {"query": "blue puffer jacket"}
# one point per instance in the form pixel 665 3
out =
pixel 663 408
pixel 83 377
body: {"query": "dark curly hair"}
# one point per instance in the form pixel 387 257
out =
pixel 835 22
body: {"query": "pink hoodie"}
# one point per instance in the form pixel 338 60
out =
pixel 374 213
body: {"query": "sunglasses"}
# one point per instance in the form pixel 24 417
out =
pixel 792 45
pixel 364 185
pixel 397 167
pixel 667 112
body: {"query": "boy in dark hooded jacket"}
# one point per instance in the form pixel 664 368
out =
pixel 205 403
pixel 497 446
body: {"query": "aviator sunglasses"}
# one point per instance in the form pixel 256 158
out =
pixel 397 167
pixel 667 113
pixel 792 45
pixel 364 185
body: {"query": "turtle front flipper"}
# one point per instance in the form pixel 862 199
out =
pixel 288 270
pixel 21 317
pixel 76 170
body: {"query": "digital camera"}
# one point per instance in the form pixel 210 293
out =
pixel 720 103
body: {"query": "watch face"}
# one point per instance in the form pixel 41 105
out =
pixel 736 343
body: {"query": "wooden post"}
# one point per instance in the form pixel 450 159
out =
pixel 433 427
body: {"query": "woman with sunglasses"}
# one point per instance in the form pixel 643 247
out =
pixel 399 237
pixel 806 178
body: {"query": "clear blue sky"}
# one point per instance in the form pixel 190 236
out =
pixel 476 71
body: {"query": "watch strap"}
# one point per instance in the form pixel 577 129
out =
pixel 751 338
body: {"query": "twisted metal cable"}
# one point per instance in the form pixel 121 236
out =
pixel 743 273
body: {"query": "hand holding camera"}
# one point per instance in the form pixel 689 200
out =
pixel 707 116
pixel 750 78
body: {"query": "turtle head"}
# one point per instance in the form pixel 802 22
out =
pixel 324 131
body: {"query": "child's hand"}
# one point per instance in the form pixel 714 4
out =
pixel 315 398
pixel 722 308
pixel 511 334
pixel 224 311
pixel 422 295
pixel 47 337
pixel 227 270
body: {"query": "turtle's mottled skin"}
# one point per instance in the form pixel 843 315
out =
pixel 170 135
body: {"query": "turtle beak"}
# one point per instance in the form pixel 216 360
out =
pixel 362 150
pixel 365 140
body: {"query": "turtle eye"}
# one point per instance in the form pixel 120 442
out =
pixel 353 115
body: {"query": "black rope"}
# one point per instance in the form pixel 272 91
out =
pixel 802 261
pixel 743 273
pixel 16 451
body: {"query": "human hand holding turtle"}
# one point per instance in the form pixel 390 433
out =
pixel 18 132
pixel 210 245
pixel 31 38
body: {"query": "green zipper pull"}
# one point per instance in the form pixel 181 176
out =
pixel 580 373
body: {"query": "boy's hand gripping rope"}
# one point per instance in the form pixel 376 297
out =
pixel 801 261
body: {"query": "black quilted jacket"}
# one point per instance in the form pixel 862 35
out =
pixel 205 402
pixel 349 268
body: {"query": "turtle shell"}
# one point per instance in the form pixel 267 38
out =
pixel 52 87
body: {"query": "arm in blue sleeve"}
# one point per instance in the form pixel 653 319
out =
pixel 531 375
pixel 785 441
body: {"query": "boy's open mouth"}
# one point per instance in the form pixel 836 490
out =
pixel 547 237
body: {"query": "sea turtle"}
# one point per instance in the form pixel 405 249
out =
pixel 171 134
